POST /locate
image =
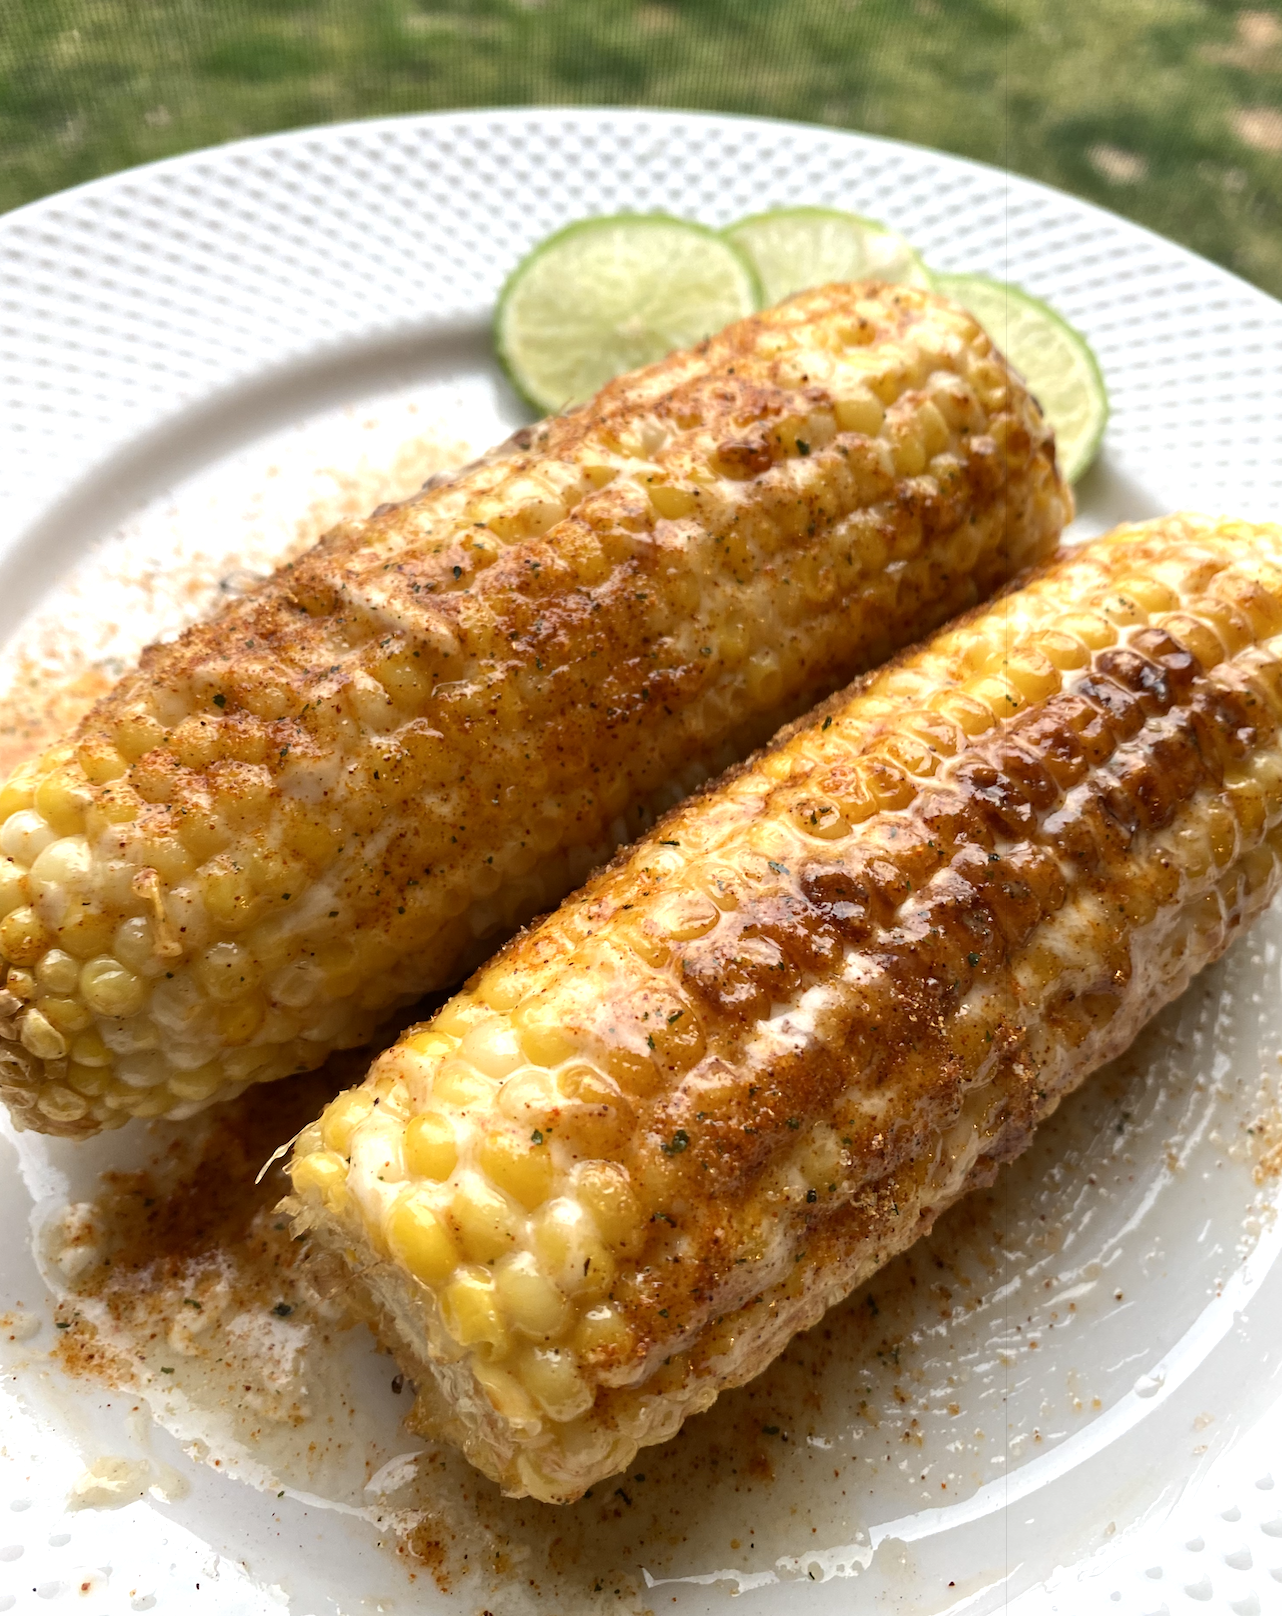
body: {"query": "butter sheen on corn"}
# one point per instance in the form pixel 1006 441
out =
pixel 342 791
pixel 755 1057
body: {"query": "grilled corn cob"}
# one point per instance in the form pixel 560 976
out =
pixel 321 804
pixel 664 1130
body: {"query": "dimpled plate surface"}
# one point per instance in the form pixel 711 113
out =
pixel 160 318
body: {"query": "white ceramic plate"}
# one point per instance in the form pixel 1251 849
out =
pixel 1071 1398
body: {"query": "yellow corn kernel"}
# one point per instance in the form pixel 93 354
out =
pixel 484 1220
pixel 492 1048
pixel 543 1041
pixel 40 1036
pixel 201 1084
pixel 20 788
pixel 519 1166
pixel 1063 651
pixel 430 1148
pixel 85 932
pixel 428 1042
pixel 419 1238
pixel 137 732
pixel 90 1080
pixel 673 503
pixel 88 1048
pixel 342 1117
pixel 404 679
pixel 501 990
pixel 460 1084
pixel 552 1378
pixel 571 1251
pixel 471 1313
pixel 57 972
pixel 686 915
pixel 62 1104
pixel 998 695
pixel 99 760
pixel 1229 624
pixel 13 886
pixel 457 1018
pixel 603 1336
pixel 505 1392
pixel 605 1190
pixel 909 450
pixel 197 741
pixel 323 1171
pixel 1148 592
pixel 238 1022
pixel 1034 676
pixel 971 717
pixel 23 938
pixel 61 799
pixel 533 1304
pixel 889 786
pixel 860 412
pixel 228 892
pixel 22 984
pixel 110 989
pixel 1091 628
pixel 226 972
pixel 67 1015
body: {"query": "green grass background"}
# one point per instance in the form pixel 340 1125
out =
pixel 1169 111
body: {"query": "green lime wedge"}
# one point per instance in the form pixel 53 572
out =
pixel 794 248
pixel 606 295
pixel 1055 360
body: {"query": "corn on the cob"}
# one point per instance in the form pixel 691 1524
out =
pixel 754 1058
pixel 324 802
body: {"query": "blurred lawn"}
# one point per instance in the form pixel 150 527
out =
pixel 1169 111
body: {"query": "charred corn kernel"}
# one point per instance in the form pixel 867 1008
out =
pixel 532 1303
pixel 519 1166
pixel 419 1238
pixel 756 1175
pixel 431 1150
pixel 342 1116
pixel 471 1312
pixel 181 831
pixel 551 1376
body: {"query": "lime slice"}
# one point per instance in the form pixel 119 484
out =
pixel 1053 359
pixel 798 247
pixel 606 295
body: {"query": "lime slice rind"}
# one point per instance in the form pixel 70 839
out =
pixel 608 295
pixel 1053 357
pixel 796 248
